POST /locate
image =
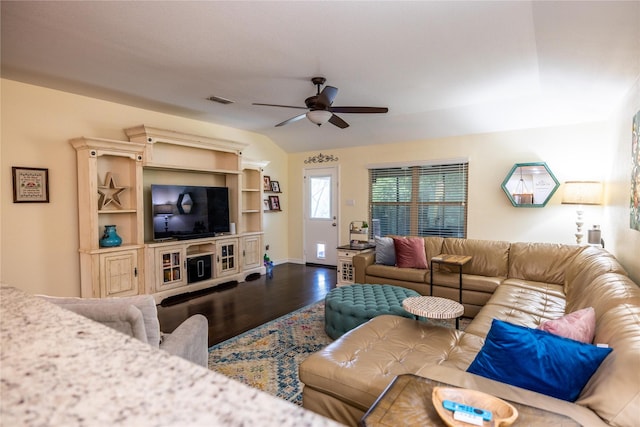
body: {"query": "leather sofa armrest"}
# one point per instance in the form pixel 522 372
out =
pixel 189 340
pixel 360 263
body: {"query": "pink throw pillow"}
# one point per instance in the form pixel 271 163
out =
pixel 579 325
pixel 410 252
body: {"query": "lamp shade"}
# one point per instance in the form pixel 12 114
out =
pixel 319 116
pixel 166 209
pixel 582 193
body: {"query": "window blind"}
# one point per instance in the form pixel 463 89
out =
pixel 429 200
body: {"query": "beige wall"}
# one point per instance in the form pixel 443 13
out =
pixel 623 241
pixel 39 242
pixel 38 248
pixel 577 152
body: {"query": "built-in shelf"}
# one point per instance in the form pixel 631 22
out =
pixel 164 268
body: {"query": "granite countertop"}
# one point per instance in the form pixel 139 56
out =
pixel 60 369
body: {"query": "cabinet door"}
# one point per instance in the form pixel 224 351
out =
pixel 251 252
pixel 119 274
pixel 226 257
pixel 170 268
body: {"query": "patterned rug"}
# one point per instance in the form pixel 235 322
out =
pixel 267 357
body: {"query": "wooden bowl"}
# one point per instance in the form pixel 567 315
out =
pixel 504 414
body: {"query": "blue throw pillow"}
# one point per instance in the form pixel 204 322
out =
pixel 385 251
pixel 537 360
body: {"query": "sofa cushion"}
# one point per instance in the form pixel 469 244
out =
pixel 604 292
pixel 537 360
pixel 358 367
pixel 579 325
pixel 541 262
pixel 590 263
pixel 410 252
pixel 398 274
pixel 433 246
pixel 385 251
pixel 488 257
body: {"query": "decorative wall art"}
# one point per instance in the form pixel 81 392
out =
pixel 275 186
pixel 266 183
pixel 321 158
pixel 30 185
pixel 274 203
pixel 635 173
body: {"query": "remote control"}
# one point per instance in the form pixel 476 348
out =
pixel 455 406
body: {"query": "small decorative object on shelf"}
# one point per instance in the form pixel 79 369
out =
pixel 110 237
pixel 275 186
pixel 266 183
pixel 274 202
pixel 110 192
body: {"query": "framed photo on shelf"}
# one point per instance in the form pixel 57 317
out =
pixel 266 183
pixel 275 186
pixel 274 202
pixel 30 185
pixel 266 205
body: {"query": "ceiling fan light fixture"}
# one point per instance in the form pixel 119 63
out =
pixel 319 117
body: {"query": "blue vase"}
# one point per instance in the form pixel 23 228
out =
pixel 110 237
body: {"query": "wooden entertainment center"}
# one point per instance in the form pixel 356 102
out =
pixel 114 180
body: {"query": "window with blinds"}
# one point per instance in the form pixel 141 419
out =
pixel 428 200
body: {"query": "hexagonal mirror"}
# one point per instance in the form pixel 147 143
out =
pixel 530 185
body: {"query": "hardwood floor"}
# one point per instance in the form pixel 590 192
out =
pixel 234 309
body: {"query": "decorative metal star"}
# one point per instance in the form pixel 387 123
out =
pixel 110 192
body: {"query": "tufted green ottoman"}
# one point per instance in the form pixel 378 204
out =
pixel 349 306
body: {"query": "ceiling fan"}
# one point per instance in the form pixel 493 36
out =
pixel 321 109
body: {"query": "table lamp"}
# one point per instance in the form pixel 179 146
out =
pixel 581 193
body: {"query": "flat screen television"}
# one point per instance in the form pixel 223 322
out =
pixel 189 212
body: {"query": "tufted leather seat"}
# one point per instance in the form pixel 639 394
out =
pixel 347 307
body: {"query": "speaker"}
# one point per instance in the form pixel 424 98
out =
pixel 199 268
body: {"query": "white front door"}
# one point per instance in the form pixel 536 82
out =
pixel 321 216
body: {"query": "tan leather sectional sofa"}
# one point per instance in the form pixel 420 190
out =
pixel 521 283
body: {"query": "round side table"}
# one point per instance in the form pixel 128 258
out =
pixel 434 308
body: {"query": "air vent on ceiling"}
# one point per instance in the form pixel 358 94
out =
pixel 220 100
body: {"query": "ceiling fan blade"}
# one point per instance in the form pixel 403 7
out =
pixel 358 109
pixel 335 120
pixel 327 95
pixel 276 105
pixel 292 119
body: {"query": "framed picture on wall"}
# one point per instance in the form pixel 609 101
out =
pixel 30 185
pixel 275 186
pixel 266 183
pixel 266 205
pixel 274 202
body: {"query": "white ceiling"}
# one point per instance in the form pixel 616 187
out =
pixel 442 68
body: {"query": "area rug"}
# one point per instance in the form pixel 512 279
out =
pixel 267 357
